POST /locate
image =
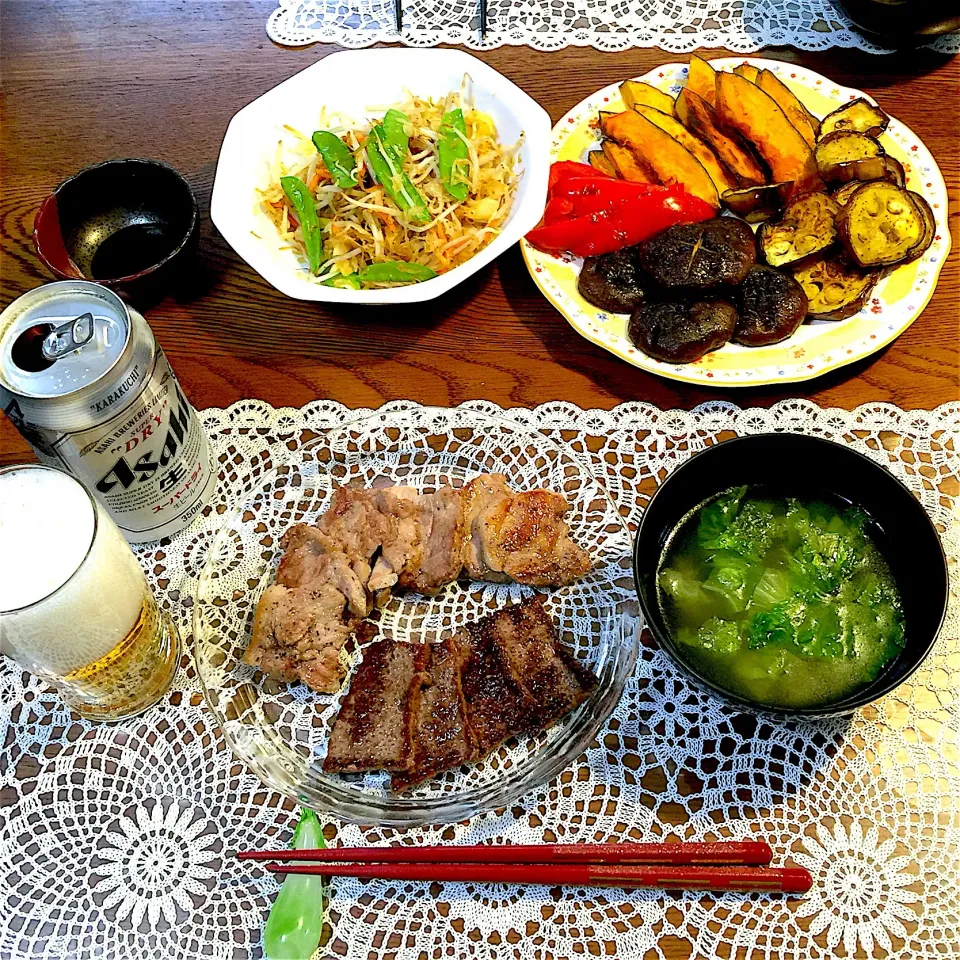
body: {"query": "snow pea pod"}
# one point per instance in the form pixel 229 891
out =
pixel 338 158
pixel 305 207
pixel 395 272
pixel 452 154
pixel 395 132
pixel 295 923
pixel 386 164
pixel 345 281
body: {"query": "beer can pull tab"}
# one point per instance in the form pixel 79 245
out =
pixel 68 336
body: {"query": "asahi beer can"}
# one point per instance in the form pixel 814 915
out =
pixel 85 382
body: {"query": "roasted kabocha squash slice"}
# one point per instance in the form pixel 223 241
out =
pixel 722 178
pixel 700 118
pixel 636 91
pixel 755 115
pixel 789 103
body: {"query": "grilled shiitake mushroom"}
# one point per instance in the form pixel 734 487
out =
pixel 808 226
pixel 612 281
pixel 882 225
pixel 849 156
pixel 700 256
pixel 681 331
pixel 857 116
pixel 835 287
pixel 772 306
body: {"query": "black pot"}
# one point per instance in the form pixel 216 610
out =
pixel 804 466
pixel 904 22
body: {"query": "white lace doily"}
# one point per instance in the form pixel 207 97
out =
pixel 677 26
pixel 116 840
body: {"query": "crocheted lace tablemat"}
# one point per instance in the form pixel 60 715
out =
pixel 677 26
pixel 116 841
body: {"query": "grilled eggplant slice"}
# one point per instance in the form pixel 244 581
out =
pixel 857 116
pixel 757 203
pixel 702 80
pixel 805 122
pixel 658 151
pixel 844 193
pixel 834 286
pixel 849 156
pixel 882 225
pixel 772 306
pixel 636 91
pixel 700 118
pixel 929 226
pixel 600 161
pixel 700 256
pixel 755 115
pixel 613 281
pixel 894 172
pixel 682 331
pixel 722 178
pixel 808 226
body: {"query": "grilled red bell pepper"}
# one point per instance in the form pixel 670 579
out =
pixel 578 197
pixel 621 223
pixel 565 169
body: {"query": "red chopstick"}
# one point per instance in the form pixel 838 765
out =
pixel 731 852
pixel 632 877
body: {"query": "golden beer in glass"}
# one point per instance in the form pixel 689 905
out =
pixel 75 606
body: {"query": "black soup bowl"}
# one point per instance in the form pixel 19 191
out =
pixel 804 467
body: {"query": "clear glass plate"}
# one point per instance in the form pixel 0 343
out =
pixel 280 730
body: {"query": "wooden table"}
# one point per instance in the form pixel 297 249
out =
pixel 87 79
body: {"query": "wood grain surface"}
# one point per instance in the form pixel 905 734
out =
pixel 84 81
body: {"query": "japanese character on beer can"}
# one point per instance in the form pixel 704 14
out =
pixel 86 384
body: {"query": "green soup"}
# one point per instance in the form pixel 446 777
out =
pixel 785 602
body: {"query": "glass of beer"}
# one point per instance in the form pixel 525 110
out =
pixel 75 606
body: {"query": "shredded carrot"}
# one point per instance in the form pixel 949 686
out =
pixel 364 224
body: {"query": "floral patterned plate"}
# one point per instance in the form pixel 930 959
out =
pixel 818 346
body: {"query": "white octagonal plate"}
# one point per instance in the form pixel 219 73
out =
pixel 356 83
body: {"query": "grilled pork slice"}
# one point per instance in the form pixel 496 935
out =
pixel 441 737
pixel 443 532
pixel 311 559
pixel 374 726
pixel 518 536
pixel 372 540
pixel 298 633
pixel 552 677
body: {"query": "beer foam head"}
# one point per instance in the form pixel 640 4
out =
pixel 46 529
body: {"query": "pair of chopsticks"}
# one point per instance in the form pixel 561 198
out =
pixel 398 17
pixel 725 865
